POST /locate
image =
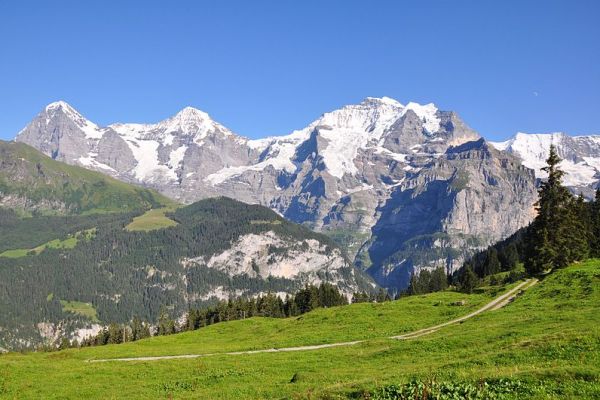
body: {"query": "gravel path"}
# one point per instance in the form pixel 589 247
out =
pixel 495 304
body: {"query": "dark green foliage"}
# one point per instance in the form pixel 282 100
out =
pixel 139 329
pixel 579 240
pixel 468 280
pixel 427 281
pixel 269 305
pixel 439 280
pixel 492 263
pixel 558 235
pixel 18 233
pixel 509 257
pixel 595 226
pixel 126 274
pixel 496 389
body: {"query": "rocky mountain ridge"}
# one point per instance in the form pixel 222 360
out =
pixel 580 154
pixel 402 187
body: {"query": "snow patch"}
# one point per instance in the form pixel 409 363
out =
pixel 581 155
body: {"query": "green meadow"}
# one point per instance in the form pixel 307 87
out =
pixel 151 220
pixel 78 307
pixel 67 243
pixel 544 344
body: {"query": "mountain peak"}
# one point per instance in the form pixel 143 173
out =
pixel 59 111
pixel 382 100
pixel 191 120
pixel 63 106
pixel 191 112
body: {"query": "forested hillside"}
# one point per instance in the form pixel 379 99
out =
pixel 118 274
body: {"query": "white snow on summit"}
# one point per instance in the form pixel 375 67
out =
pixel 342 134
pixel 348 129
pixel 91 130
pixel 581 154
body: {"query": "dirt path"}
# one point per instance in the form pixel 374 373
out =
pixel 495 304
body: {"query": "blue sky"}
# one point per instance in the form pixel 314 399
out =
pixel 268 67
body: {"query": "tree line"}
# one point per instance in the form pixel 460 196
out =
pixel 269 305
pixel 566 229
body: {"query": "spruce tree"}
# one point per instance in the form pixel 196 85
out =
pixel 492 263
pixel 548 242
pixel 439 280
pixel 413 286
pixel 510 257
pixel 579 227
pixel 595 226
pixel 468 280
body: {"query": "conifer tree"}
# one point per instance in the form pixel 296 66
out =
pixel 492 263
pixel 579 228
pixel 595 226
pixel 468 280
pixel 439 280
pixel 510 257
pixel 548 243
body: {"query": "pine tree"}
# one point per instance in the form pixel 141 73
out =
pixel 579 229
pixel 509 257
pixel 492 263
pixel 115 334
pixel 413 286
pixel 382 296
pixel 595 226
pixel 468 280
pixel 439 280
pixel 548 240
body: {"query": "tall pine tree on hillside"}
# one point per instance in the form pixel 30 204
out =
pixel 595 226
pixel 557 236
pixel 580 225
pixel 492 263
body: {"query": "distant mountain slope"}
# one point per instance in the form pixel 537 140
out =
pixel 33 182
pixel 219 248
pixel 352 173
pixel 580 154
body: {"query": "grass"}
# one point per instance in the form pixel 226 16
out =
pixel 82 191
pixel 80 308
pixel 67 243
pixel 547 340
pixel 152 220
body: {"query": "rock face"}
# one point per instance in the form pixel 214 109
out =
pixel 301 262
pixel 403 187
pixel 580 154
pixel 467 198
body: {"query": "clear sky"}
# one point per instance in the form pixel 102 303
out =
pixel 268 67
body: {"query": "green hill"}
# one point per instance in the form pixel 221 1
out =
pixel 544 344
pixel 31 182
pixel 128 265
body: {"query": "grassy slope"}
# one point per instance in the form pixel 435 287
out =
pixel 31 174
pixel 67 243
pixel 152 220
pixel 549 338
pixel 78 307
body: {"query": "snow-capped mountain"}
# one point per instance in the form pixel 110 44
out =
pixel 580 154
pixel 401 186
